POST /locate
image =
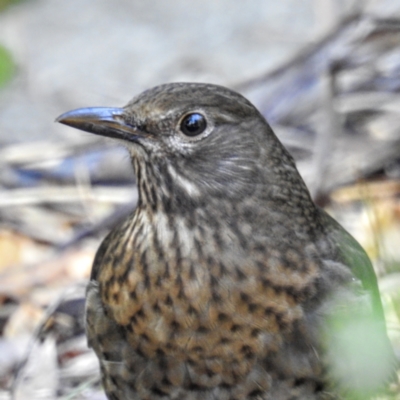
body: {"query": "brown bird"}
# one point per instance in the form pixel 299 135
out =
pixel 227 282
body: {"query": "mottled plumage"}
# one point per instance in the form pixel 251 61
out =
pixel 226 282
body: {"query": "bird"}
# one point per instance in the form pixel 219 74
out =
pixel 227 282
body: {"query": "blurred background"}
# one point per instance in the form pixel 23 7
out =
pixel 325 73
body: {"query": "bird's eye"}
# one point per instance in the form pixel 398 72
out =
pixel 193 124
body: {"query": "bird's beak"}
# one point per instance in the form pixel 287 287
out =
pixel 102 121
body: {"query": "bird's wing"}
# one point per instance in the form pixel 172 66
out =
pixel 358 351
pixel 350 253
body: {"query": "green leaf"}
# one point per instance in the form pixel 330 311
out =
pixel 5 3
pixel 7 66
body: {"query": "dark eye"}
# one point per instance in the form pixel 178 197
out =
pixel 193 124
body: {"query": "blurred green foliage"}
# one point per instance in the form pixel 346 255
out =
pixel 5 3
pixel 7 66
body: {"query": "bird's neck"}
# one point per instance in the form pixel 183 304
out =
pixel 278 200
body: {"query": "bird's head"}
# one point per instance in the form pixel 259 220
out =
pixel 192 140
